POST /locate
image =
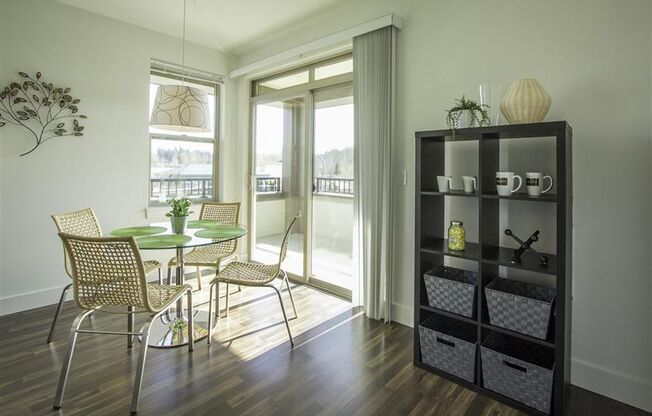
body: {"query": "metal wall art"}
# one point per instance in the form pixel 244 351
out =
pixel 40 107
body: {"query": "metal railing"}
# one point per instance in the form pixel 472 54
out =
pixel 336 186
pixel 339 186
pixel 268 185
pixel 198 187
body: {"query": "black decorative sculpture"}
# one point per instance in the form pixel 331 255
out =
pixel 43 109
pixel 526 245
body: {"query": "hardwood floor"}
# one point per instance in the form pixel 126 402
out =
pixel 342 364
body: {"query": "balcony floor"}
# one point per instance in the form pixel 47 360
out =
pixel 331 262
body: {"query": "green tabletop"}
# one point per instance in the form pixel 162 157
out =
pixel 221 232
pixel 137 231
pixel 166 239
pixel 204 224
pixel 163 241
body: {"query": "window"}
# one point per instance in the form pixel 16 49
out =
pixel 182 164
pixel 332 71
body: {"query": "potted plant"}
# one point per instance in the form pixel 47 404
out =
pixel 467 113
pixel 179 214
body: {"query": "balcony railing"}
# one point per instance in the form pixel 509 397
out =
pixel 337 186
pixel 163 189
pixel 201 187
pixel 340 186
pixel 268 185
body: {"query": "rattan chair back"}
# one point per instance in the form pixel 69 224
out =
pixel 82 223
pixel 106 271
pixel 226 213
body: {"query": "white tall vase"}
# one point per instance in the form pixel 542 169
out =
pixel 525 102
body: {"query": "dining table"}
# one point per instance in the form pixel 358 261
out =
pixel 171 329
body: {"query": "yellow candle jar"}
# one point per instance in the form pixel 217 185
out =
pixel 456 236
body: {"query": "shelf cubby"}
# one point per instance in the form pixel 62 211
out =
pixel 488 251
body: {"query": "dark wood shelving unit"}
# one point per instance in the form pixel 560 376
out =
pixel 431 246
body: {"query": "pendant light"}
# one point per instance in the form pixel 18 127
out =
pixel 179 107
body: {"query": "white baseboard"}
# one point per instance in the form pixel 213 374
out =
pixel 619 386
pixel 402 314
pixel 625 388
pixel 30 300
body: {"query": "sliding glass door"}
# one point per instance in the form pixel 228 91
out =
pixel 332 189
pixel 278 182
pixel 302 163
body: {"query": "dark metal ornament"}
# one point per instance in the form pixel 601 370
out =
pixel 526 245
pixel 40 107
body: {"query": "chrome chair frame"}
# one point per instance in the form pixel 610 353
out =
pixel 94 230
pixel 109 272
pixel 280 273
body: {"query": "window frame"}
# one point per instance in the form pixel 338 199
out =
pixel 217 89
pixel 310 85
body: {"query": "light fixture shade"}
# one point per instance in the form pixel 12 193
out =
pixel 180 108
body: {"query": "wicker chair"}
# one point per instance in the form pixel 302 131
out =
pixel 84 223
pixel 214 255
pixel 256 275
pixel 109 273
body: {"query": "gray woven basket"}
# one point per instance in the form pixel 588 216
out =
pixel 451 289
pixel 519 370
pixel 519 306
pixel 448 347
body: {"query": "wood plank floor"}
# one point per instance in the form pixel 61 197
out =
pixel 342 364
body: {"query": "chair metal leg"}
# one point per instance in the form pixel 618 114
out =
pixel 198 278
pixel 217 302
pixel 72 340
pixel 226 303
pixel 160 276
pixel 210 312
pixel 58 311
pixel 138 381
pixel 285 317
pixel 191 327
pixel 287 284
pixel 169 275
pixel 130 326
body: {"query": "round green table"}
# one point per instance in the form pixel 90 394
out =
pixel 168 331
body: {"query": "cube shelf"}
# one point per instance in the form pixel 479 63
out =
pixel 431 245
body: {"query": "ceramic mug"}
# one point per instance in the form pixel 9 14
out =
pixel 505 183
pixel 534 183
pixel 469 184
pixel 445 183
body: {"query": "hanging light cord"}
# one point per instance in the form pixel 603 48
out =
pixel 183 47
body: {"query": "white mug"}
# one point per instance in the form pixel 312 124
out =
pixel 445 183
pixel 469 184
pixel 505 183
pixel 534 183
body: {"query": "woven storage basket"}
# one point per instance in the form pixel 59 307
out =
pixel 451 289
pixel 519 370
pixel 449 347
pixel 519 306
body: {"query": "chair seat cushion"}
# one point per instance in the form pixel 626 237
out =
pixel 248 274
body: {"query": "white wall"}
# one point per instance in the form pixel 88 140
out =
pixel 593 58
pixel 106 63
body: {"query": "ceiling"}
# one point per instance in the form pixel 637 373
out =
pixel 225 25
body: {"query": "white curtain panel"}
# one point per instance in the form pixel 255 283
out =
pixel 373 92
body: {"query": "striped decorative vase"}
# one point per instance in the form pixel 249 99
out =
pixel 525 102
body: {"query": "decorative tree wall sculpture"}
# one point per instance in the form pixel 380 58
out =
pixel 43 109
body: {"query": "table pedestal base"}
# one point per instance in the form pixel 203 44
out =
pixel 170 331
